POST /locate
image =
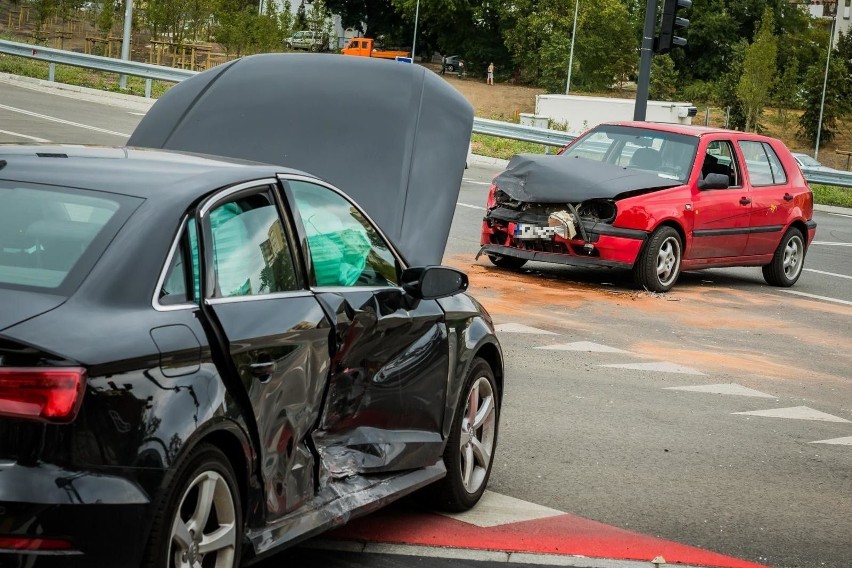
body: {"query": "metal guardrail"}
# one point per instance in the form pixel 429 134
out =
pixel 156 72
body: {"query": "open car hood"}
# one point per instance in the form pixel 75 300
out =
pixel 393 136
pixel 536 178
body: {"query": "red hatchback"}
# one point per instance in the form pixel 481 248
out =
pixel 657 199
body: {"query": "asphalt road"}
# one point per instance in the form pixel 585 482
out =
pixel 625 444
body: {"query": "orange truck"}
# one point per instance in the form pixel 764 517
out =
pixel 365 47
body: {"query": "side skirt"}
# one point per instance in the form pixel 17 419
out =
pixel 556 258
pixel 338 503
pixel 726 262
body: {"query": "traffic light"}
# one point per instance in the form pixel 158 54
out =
pixel 670 23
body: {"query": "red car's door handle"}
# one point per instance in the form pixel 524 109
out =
pixel 745 201
pixel 788 197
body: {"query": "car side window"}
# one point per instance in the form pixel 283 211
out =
pixel 251 253
pixel 345 248
pixel 182 284
pixel 779 176
pixel 720 158
pixel 758 164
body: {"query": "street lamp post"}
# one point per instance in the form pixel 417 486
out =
pixel 824 85
pixel 414 41
pixel 571 57
pixel 125 41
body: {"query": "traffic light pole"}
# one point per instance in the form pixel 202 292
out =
pixel 647 53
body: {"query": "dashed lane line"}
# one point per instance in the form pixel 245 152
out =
pixel 475 182
pixel 470 206
pixel 816 297
pixel 827 273
pixel 62 121
pixel 657 367
pixel 728 388
pixel 847 441
pixel 795 413
pixel 26 136
pixel 840 215
pixel 831 244
pixel 587 346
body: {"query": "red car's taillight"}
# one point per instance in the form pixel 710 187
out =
pixel 492 199
pixel 49 394
pixel 28 543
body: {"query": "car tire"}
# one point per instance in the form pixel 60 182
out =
pixel 788 260
pixel 469 454
pixel 175 539
pixel 658 265
pixel 314 48
pixel 510 262
pixel 451 68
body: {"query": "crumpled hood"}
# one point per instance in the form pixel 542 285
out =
pixel 537 178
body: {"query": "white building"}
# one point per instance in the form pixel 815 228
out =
pixel 831 9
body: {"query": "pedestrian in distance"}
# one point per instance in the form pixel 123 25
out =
pixel 461 67
pixel 490 79
pixel 443 65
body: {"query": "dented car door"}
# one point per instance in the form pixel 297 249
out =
pixel 384 405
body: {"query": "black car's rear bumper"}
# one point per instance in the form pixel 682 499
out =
pixel 96 519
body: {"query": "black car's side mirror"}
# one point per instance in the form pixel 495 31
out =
pixel 714 181
pixel 433 282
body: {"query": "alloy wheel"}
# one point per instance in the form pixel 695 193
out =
pixel 478 433
pixel 793 255
pixel 668 261
pixel 204 530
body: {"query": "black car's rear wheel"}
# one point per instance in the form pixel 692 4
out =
pixel 787 263
pixel 658 265
pixel 507 261
pixel 199 524
pixel 470 448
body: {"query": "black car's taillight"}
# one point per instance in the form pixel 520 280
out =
pixel 34 544
pixel 48 394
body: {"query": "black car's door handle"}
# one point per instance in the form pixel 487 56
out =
pixel 262 370
pixel 745 201
pixel 788 197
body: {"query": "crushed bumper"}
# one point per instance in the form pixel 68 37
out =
pixel 556 258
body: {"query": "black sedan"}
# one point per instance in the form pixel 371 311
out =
pixel 203 360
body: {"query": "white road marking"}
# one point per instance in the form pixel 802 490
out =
pixel 466 180
pixel 847 441
pixel 27 136
pixel 63 121
pixel 137 113
pixel 827 273
pixel 473 554
pixel 583 346
pixel 831 244
pixel 495 509
pixel 521 328
pixel 795 413
pixel 815 297
pixel 658 367
pixel 728 388
pixel 470 206
pixel 840 215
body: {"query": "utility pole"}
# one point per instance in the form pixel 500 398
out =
pixel 825 85
pixel 571 57
pixel 647 54
pixel 125 41
pixel 414 41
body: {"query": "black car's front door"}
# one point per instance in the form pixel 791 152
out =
pixel 385 402
pixel 275 331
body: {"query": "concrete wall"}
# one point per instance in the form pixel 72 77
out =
pixel 581 113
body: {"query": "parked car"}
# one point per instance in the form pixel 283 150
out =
pixel 308 40
pixel 656 199
pixel 205 359
pixel 451 63
pixel 808 163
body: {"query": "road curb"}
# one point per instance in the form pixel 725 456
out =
pixel 833 209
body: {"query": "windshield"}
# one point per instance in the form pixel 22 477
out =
pixel 50 238
pixel 807 161
pixel 666 154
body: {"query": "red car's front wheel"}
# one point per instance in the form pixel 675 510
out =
pixel 658 265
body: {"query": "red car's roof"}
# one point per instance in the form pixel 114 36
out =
pixel 687 129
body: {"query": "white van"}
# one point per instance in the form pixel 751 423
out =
pixel 313 41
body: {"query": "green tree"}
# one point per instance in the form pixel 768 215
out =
pixel 664 78
pixel 836 103
pixel 727 87
pixel 759 72
pixel 106 18
pixel 787 92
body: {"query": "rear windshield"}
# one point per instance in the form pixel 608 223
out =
pixel 51 237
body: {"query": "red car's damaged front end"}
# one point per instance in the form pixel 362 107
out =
pixel 657 199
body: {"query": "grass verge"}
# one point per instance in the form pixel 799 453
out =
pixel 832 195
pixel 505 148
pixel 79 76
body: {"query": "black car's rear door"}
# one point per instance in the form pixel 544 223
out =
pixel 275 332
pixel 387 388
